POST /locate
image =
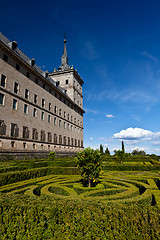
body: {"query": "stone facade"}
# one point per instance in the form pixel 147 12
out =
pixel 38 111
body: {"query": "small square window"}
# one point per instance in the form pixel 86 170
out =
pixel 12 144
pixel 26 108
pixel 3 80
pixel 55 121
pixel 34 112
pixel 27 94
pixel 17 66
pixel 1 99
pixel 49 107
pixel 35 98
pixel 15 104
pixel 5 57
pixel 16 87
pixel 42 115
pixel 43 103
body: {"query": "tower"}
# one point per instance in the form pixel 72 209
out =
pixel 68 78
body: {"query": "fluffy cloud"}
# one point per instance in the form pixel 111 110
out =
pixel 109 116
pixel 136 133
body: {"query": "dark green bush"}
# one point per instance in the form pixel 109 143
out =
pixel 52 156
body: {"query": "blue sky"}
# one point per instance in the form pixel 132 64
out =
pixel 115 46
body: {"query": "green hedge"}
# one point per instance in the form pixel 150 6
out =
pixel 11 177
pixel 122 167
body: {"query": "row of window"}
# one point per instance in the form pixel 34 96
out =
pixel 56 121
pixel 45 137
pixel 17 66
pixel 35 100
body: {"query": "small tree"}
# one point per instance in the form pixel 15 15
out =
pixel 101 149
pixel 52 156
pixel 123 147
pixel 90 165
pixel 107 151
pixel 120 154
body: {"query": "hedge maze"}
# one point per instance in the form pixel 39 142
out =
pixel 112 187
pixel 45 199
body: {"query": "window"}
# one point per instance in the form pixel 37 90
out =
pixel 50 91
pixel 60 139
pixel 59 123
pixel 72 141
pixel 71 128
pixel 71 118
pixel 2 128
pixel 78 143
pixel 64 140
pixel 60 112
pixel 43 135
pixel 1 99
pixel 43 103
pixel 78 130
pixel 68 117
pixel 81 143
pixel 36 81
pixel 55 121
pixel 64 125
pixel 34 112
pixel 49 107
pixel 27 74
pixel 12 144
pixel 75 129
pixel 5 57
pixel 49 118
pixel 14 104
pixel 75 120
pixel 55 138
pixel 25 132
pixel 27 94
pixel 66 81
pixel 16 87
pixel 26 108
pixel 42 115
pixel 35 134
pixel 24 145
pixel 35 98
pixel 17 66
pixel 49 137
pixel 68 140
pixel 64 114
pixel 78 122
pixel 44 86
pixel 34 146
pixel 68 126
pixel 14 130
pixel 3 80
pixel 55 109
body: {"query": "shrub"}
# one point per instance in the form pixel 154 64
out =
pixel 52 156
pixel 89 164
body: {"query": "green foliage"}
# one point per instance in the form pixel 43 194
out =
pixel 89 163
pixel 137 152
pixel 107 151
pixel 52 156
pixel 120 154
pixel 101 149
pixel 123 147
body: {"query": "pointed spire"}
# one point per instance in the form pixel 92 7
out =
pixel 64 59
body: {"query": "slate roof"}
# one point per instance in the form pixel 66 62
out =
pixel 7 42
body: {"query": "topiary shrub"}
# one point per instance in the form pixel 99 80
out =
pixel 52 156
pixel 89 163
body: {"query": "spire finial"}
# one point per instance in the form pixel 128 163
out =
pixel 64 57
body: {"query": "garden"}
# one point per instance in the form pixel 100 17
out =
pixel 91 196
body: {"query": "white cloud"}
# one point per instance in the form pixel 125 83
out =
pixel 109 116
pixel 91 138
pixel 135 134
pixel 90 110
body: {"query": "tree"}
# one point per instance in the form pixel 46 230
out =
pixel 107 151
pixel 120 154
pixel 101 149
pixel 137 152
pixel 123 147
pixel 90 165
